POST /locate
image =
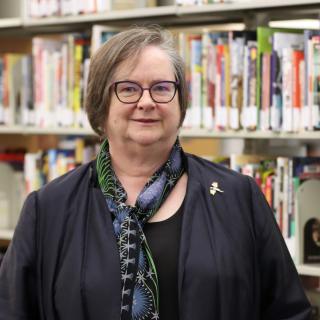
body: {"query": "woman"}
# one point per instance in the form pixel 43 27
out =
pixel 147 231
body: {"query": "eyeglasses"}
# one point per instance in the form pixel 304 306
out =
pixel 131 92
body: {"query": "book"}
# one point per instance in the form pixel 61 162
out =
pixel 297 88
pixel 308 224
pixel 249 114
pixel 273 41
pixel 237 43
pixel 11 188
pixel 12 88
pixel 316 83
pixel 100 34
pixel 265 92
pixel 310 36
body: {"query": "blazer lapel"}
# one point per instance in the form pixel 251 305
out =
pixel 101 279
pixel 190 204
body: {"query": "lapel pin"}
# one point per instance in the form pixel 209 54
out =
pixel 214 188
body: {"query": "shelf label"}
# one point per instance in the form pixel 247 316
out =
pixel 265 119
pixel 234 118
pixel 315 116
pixel 296 119
pixel 221 117
pixel 1 114
pixel 287 123
pixel 275 118
pixel 207 118
pixel 249 117
pixel 306 117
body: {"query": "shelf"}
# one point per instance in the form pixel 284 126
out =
pixel 241 134
pixel 248 5
pixel 309 270
pixel 10 23
pixel 185 133
pixel 6 234
pixel 45 131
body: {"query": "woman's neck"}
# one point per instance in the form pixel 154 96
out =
pixel 138 162
pixel 134 166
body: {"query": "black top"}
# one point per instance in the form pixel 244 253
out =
pixel 163 238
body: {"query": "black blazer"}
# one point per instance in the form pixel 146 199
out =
pixel 63 261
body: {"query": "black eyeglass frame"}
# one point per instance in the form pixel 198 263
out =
pixel 176 86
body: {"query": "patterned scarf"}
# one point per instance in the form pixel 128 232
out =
pixel 140 292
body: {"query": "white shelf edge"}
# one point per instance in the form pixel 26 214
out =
pixel 106 16
pixel 309 270
pixel 6 234
pixel 242 134
pixel 230 6
pixel 185 133
pixel 10 23
pixel 45 131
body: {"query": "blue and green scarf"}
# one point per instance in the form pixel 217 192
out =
pixel 140 292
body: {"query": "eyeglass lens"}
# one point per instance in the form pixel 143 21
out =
pixel 130 92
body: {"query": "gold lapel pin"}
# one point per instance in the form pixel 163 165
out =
pixel 214 188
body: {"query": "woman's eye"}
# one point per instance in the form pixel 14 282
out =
pixel 129 89
pixel 161 87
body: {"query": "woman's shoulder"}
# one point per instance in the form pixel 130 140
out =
pixel 207 172
pixel 207 167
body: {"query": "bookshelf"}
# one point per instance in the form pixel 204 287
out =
pixel 171 15
pixel 243 134
pixel 6 234
pixel 309 270
pixel 10 23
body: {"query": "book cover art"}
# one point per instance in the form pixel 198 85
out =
pixel 312 241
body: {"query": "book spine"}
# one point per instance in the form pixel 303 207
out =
pixel 287 92
pixel 298 57
pixel 1 90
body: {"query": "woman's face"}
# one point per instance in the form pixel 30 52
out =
pixel 145 122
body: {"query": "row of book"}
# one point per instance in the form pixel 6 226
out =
pixel 23 172
pixel 279 178
pixel 266 79
pixel 46 87
pixel 46 8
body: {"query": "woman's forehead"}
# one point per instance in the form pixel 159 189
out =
pixel 151 60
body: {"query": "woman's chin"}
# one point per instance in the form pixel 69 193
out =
pixel 146 141
pixel 149 139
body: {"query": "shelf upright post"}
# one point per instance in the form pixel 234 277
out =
pixel 253 20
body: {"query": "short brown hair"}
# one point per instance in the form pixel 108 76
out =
pixel 104 63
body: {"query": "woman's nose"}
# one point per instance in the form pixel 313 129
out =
pixel 146 100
